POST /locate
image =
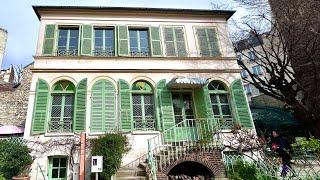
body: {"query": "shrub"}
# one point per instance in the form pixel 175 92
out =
pixel 112 147
pixel 14 158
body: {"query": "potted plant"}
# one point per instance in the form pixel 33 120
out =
pixel 15 159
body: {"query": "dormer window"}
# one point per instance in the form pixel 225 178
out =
pixel 68 41
pixel 139 42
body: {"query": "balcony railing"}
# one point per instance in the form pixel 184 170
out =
pixel 145 53
pixel 60 126
pixel 104 53
pixel 63 52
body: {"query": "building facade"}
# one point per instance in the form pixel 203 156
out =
pixel 3 42
pixel 142 72
pixel 247 51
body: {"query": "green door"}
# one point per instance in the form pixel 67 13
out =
pixel 184 116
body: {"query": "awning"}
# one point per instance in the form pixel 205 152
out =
pixel 191 82
pixel 10 129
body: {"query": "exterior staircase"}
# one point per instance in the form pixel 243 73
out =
pixel 172 144
pixel 134 173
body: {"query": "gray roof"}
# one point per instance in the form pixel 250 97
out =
pixel 227 13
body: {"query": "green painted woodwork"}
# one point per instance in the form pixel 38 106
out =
pixel 242 111
pixel 49 39
pixel 156 48
pixel 80 106
pixel 86 40
pixel 208 42
pixel 125 105
pixel 103 107
pixel 165 103
pixel 175 41
pixel 202 103
pixel 185 121
pixel 40 107
pixel 123 41
pixel 142 87
pixel 58 167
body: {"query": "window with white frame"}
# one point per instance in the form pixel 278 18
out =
pixel 257 70
pixel 104 42
pixel 68 41
pixel 252 56
pixel 248 89
pixel 244 74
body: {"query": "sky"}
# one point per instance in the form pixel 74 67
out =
pixel 18 18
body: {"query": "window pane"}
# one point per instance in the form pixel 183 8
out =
pixel 148 99
pixel 68 111
pixel 225 110
pixel 69 100
pixel 62 173
pixel 74 33
pixel 215 109
pixel 148 110
pixel 213 99
pixel 55 173
pixel 98 43
pixel 56 111
pixel 98 33
pixel 55 162
pixel 223 99
pixel 136 99
pixel 137 111
pixel 56 100
pixel 63 162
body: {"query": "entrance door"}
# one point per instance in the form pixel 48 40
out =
pixel 184 116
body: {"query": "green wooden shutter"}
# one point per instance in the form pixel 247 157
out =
pixel 97 93
pixel 180 42
pixel 123 41
pixel 40 107
pixel 208 42
pixel 49 39
pixel 86 40
pixel 203 42
pixel 125 105
pixel 103 107
pixel 156 49
pixel 169 41
pixel 166 106
pixel 80 106
pixel 241 106
pixel 213 41
pixel 202 103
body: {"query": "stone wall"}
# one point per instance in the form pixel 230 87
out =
pixel 13 104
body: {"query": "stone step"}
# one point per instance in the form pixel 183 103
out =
pixel 124 173
pixel 130 177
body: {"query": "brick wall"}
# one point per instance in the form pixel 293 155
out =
pixel 212 160
pixel 13 104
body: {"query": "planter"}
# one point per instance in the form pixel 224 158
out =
pixel 21 178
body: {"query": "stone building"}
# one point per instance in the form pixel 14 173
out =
pixel 14 99
pixel 3 42
pixel 163 77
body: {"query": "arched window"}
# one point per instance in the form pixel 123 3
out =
pixel 62 106
pixel 219 97
pixel 103 107
pixel 143 106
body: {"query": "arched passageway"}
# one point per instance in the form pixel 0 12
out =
pixel 190 170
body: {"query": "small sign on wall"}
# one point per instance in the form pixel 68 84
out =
pixel 96 164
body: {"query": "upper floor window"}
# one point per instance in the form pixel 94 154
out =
pixel 143 106
pixel 257 70
pixel 139 42
pixel 248 89
pixel 219 97
pixel 62 106
pixel 252 56
pixel 239 57
pixel 104 41
pixel 175 41
pixel 244 74
pixel 68 41
pixel 208 42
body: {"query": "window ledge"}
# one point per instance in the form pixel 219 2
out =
pixel 55 134
pixel 145 132
pixel 226 130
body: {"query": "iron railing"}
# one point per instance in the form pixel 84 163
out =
pixel 187 136
pixel 63 52
pixel 145 53
pixel 60 126
pixel 104 53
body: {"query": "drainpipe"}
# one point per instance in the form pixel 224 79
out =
pixel 82 156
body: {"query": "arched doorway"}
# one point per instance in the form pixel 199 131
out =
pixel 190 170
